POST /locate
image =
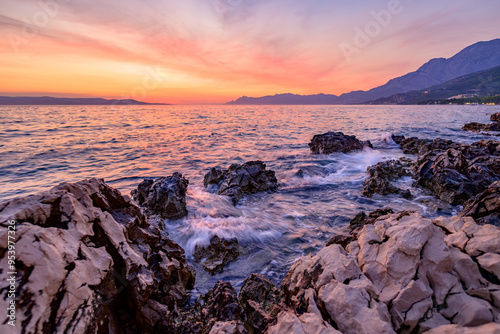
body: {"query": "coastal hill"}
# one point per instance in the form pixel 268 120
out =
pixel 47 100
pixel 477 57
pixel 478 84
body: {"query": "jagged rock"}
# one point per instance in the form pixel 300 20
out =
pixel 415 145
pixel 362 219
pixel 477 127
pixel 397 139
pixel 220 305
pixel 217 254
pixel 332 142
pixel 355 226
pixel 306 323
pixel 228 327
pixel 240 180
pixel 456 175
pixel 495 117
pixel 454 172
pixel 165 196
pixel 381 175
pixel 89 261
pixel 260 301
pixel 485 207
pixel 214 176
pixel 404 274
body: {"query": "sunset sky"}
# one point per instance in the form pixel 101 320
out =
pixel 212 51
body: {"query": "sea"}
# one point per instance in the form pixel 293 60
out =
pixel 42 146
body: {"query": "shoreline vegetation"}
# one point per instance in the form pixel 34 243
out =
pixel 475 100
pixel 93 260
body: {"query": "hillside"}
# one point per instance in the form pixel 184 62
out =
pixel 482 83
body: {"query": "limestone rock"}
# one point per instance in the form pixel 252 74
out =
pixel 332 142
pixel 88 261
pixel 495 117
pixel 404 274
pixel 165 196
pixel 307 323
pixel 491 328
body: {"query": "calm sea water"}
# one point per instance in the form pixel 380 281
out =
pixel 43 146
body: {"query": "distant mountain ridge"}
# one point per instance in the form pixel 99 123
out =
pixel 482 83
pixel 477 57
pixel 47 100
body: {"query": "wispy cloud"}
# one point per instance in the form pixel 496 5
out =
pixel 234 47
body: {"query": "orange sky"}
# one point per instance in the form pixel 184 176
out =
pixel 213 51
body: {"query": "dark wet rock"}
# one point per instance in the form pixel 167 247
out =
pixel 260 301
pixel 403 274
pixel 418 146
pixel 240 180
pixel 220 305
pixel 397 139
pixel 217 311
pixel 456 175
pixel 217 254
pixel 454 172
pixel 94 265
pixel 477 127
pixel 165 196
pixel 214 176
pixel 382 174
pixel 485 207
pixel 495 117
pixel 332 142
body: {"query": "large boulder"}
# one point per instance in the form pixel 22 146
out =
pixel 89 262
pixel 240 180
pixel 485 207
pixel 404 274
pixel 382 174
pixel 217 254
pixel 332 142
pixel 165 196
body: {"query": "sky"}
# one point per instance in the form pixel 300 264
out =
pixel 214 51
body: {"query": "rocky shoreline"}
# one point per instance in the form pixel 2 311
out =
pixel 90 261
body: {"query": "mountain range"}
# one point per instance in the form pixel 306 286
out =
pixel 47 100
pixel 482 83
pixel 474 58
